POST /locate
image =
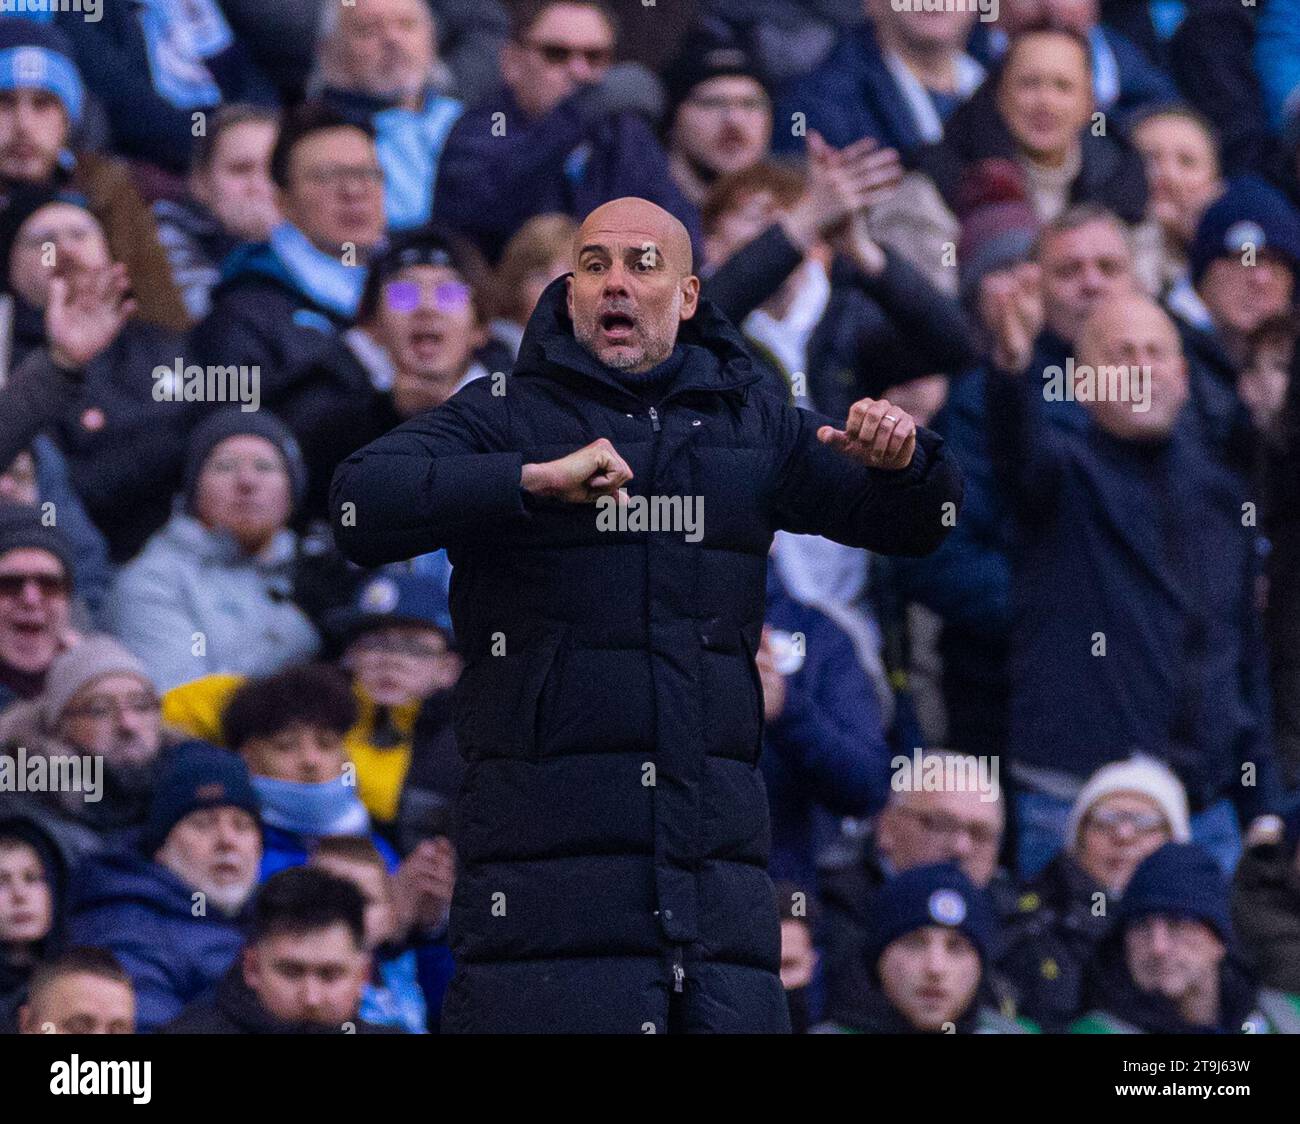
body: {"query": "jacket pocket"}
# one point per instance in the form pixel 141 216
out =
pixel 751 665
pixel 499 697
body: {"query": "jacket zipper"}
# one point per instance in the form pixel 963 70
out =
pixel 679 970
pixel 654 418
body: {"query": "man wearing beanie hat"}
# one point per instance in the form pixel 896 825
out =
pixel 213 590
pixel 98 700
pixel 1171 966
pixel 1243 262
pixel 42 102
pixel 719 116
pixel 170 906
pixel 36 569
pixel 1123 813
pixel 931 940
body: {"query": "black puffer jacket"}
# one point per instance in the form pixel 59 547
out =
pixel 613 826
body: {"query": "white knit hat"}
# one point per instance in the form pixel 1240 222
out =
pixel 1140 774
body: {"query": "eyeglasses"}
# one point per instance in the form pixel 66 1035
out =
pixel 715 103
pixel 1110 820
pixel 335 175
pixel 399 645
pixel 100 708
pixel 48 585
pixel 559 54
pixel 446 296
pixel 946 827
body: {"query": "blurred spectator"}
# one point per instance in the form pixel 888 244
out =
pixel 1171 964
pixel 798 952
pixel 33 890
pixel 898 79
pixel 931 941
pixel 377 65
pixel 170 908
pixel 230 200
pixel 88 376
pixel 98 700
pixel 392 996
pixel 1266 909
pixel 289 728
pixel 1123 813
pixel 41 106
pixel 154 65
pixel 719 118
pixel 563 135
pixel 1167 504
pixel 1183 177
pixel 36 573
pixel 1124 79
pixel 213 590
pixel 539 251
pixel 81 991
pixel 304 969
pixel 283 304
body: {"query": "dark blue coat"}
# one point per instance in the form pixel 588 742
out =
pixel 143 914
pixel 1145 543
pixel 572 160
pixel 613 822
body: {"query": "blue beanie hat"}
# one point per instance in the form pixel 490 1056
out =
pixel 40 57
pixel 1250 211
pixel 196 774
pixel 1182 880
pixel 235 422
pixel 930 895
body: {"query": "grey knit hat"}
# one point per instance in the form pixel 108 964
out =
pixel 91 659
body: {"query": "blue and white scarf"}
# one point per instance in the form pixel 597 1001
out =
pixel 178 36
pixel 409 144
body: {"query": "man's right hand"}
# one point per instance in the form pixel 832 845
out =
pixel 1017 320
pixel 582 477
pixel 85 312
pixel 840 183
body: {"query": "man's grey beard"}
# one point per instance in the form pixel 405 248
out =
pixel 624 360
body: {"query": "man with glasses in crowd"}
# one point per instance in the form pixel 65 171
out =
pixel 563 135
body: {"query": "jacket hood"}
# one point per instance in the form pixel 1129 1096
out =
pixel 55 862
pixel 716 357
pixel 189 537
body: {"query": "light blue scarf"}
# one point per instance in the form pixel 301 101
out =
pixel 327 808
pixel 409 144
pixel 178 36
pixel 321 276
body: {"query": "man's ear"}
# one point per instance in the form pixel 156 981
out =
pixel 568 294
pixel 248 964
pixel 690 297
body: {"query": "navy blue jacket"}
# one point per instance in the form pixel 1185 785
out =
pixel 613 826
pixel 827 749
pixel 143 913
pixel 1144 543
pixel 572 160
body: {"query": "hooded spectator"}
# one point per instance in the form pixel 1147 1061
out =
pixel 377 64
pixel 81 991
pixel 98 700
pixel 229 200
pixel 1125 812
pixel 564 134
pixel 213 590
pixel 33 890
pixel 304 969
pixel 88 375
pixel 42 100
pixel 153 68
pixel 170 907
pixel 1171 965
pixel 928 955
pixel 36 574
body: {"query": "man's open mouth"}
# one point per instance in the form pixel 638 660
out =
pixel 617 325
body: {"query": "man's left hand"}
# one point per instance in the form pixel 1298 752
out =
pixel 877 434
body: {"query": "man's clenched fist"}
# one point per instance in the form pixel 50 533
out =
pixel 877 434
pixel 582 477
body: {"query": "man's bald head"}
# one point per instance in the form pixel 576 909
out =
pixel 642 221
pixel 632 284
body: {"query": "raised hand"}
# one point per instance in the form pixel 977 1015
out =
pixel 582 477
pixel 877 434
pixel 841 183
pixel 1017 300
pixel 85 312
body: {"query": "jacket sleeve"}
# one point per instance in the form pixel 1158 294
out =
pixel 145 613
pixel 818 491
pixel 433 481
pixel 36 396
pixel 1028 453
pixel 752 274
